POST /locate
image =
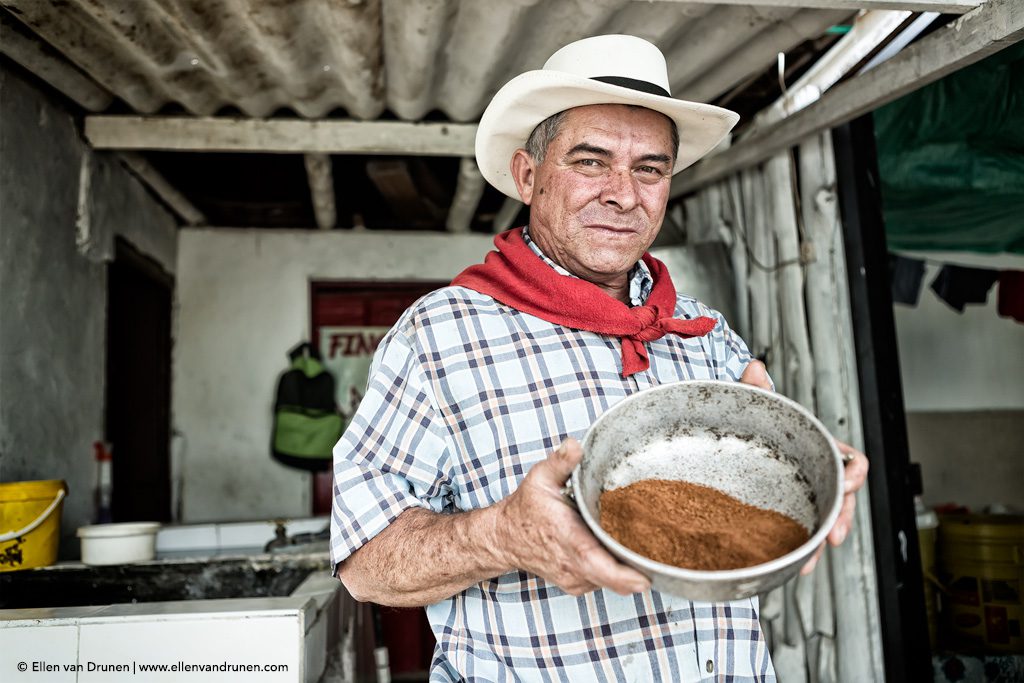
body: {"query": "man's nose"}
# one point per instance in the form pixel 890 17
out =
pixel 620 190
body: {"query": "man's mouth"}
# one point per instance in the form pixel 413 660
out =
pixel 626 230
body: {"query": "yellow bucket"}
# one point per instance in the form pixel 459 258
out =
pixel 30 523
pixel 982 569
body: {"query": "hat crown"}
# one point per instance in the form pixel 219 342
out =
pixel 618 56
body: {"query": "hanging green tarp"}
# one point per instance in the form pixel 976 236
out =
pixel 951 158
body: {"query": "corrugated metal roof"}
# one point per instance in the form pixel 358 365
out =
pixel 407 56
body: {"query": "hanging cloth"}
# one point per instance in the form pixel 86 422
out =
pixel 905 275
pixel 1010 301
pixel 958 285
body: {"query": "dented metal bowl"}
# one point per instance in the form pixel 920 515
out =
pixel 755 445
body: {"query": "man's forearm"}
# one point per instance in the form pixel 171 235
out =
pixel 424 557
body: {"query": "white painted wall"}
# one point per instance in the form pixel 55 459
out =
pixel 954 361
pixel 243 301
pixel 962 391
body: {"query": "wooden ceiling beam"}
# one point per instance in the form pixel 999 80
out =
pixel 469 188
pixel 993 26
pixel 49 65
pixel 944 6
pixel 279 136
pixel 320 175
pixel 178 202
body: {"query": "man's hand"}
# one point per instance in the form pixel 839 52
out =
pixel 854 475
pixel 757 375
pixel 541 534
pixel 856 471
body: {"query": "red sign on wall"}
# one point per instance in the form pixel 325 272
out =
pixel 348 322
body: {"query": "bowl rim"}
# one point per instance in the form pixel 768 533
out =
pixel 119 530
pixel 652 567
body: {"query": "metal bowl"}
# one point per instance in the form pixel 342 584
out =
pixel 755 445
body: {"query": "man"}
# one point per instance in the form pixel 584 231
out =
pixel 447 482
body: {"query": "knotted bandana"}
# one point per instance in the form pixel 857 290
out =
pixel 516 277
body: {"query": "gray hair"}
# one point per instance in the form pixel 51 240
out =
pixel 548 129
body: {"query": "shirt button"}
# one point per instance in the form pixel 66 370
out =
pixel 710 666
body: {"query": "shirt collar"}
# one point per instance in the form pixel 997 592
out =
pixel 640 280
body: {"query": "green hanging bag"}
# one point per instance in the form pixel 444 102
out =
pixel 307 424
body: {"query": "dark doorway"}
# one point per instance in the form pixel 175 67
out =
pixel 138 422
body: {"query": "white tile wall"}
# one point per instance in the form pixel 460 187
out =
pixel 220 537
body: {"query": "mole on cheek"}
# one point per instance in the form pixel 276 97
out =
pixel 540 191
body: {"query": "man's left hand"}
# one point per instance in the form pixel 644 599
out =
pixel 854 476
pixel 855 472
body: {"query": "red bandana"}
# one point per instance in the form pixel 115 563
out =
pixel 516 277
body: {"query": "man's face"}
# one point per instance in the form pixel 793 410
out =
pixel 598 199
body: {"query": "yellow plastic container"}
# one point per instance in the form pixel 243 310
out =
pixel 981 561
pixel 30 523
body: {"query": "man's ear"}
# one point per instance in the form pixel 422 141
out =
pixel 523 173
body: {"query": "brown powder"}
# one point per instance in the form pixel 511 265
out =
pixel 696 527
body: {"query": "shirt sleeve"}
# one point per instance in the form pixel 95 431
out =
pixel 394 455
pixel 729 353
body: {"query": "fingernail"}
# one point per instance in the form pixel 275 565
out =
pixel 841 534
pixel 847 486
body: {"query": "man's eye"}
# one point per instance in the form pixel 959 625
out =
pixel 589 162
pixel 649 174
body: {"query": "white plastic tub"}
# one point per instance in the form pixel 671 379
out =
pixel 118 543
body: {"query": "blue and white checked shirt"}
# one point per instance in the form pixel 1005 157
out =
pixel 464 395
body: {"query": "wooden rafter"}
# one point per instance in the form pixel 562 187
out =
pixel 469 189
pixel 49 65
pixel 993 26
pixel 321 189
pixel 178 202
pixel 944 6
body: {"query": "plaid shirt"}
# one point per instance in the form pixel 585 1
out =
pixel 465 394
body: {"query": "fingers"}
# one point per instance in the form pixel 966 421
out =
pixel 855 470
pixel 842 526
pixel 854 475
pixel 558 545
pixel 563 460
pixel 757 375
pixel 811 563
pixel 598 567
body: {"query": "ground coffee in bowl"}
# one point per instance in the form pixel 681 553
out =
pixel 697 527
pixel 761 449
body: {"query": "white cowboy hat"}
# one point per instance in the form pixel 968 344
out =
pixel 614 69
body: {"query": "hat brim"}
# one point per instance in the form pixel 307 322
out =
pixel 529 98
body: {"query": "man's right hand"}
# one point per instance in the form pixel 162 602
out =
pixel 540 533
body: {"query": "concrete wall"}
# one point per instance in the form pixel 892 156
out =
pixel 960 361
pixel 972 458
pixel 243 301
pixel 963 392
pixel 54 241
